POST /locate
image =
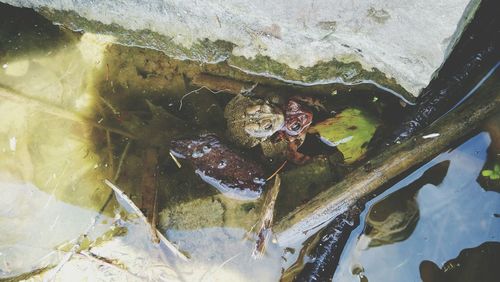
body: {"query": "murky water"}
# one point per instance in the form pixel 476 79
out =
pixel 77 110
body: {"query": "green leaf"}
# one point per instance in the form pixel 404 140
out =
pixel 350 131
pixel 487 172
pixel 497 168
pixel 495 176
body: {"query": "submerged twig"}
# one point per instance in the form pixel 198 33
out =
pixel 196 91
pixel 120 163
pixel 109 105
pixel 132 208
pixel 277 171
pixel 225 84
pixel 389 164
pixel 175 160
pixel 266 219
pixel 108 263
pixel 149 186
pixel 109 145
pixel 74 249
pixel 52 274
pixel 44 106
pixel 220 266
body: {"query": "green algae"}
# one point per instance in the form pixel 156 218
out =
pixel 206 51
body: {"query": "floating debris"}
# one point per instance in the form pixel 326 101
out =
pixel 132 208
pixel 175 160
pixel 432 135
pixel 350 131
pixel 266 219
pixel 12 143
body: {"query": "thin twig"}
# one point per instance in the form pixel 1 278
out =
pixel 215 83
pixel 196 91
pixel 120 163
pixel 109 105
pixel 104 261
pixel 149 187
pixel 387 165
pixel 110 151
pixel 132 208
pixel 277 171
pixel 175 160
pixel 220 266
pixel 52 274
pixel 266 219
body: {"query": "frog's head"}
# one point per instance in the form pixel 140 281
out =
pixel 298 118
pixel 263 120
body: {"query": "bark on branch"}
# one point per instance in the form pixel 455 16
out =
pixel 389 164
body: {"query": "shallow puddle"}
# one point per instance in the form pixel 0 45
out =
pixel 77 110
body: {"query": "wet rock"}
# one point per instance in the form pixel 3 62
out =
pixel 293 40
pixel 205 212
pixel 302 183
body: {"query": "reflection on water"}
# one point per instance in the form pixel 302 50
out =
pixel 393 218
pixel 454 215
pixel 474 264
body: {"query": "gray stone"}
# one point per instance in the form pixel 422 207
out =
pixel 396 44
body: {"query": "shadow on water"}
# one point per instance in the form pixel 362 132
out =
pixel 394 218
pixel 444 217
pixel 390 220
pixel 474 264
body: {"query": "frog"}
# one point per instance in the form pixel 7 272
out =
pixel 279 128
pixel 250 121
pixel 291 136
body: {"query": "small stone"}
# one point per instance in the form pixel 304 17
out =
pixel 12 143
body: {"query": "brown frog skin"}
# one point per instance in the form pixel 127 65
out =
pixel 221 167
pixel 251 121
pixel 298 118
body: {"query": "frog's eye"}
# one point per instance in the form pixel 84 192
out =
pixel 207 148
pixel 267 125
pixel 296 126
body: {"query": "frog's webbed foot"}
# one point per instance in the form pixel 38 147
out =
pixel 278 136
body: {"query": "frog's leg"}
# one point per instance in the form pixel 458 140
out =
pixel 278 136
pixel 294 155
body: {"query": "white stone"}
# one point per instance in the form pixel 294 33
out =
pixel 406 40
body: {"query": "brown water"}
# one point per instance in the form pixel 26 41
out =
pixel 77 110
